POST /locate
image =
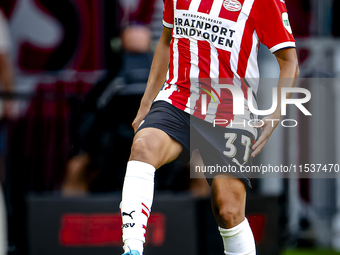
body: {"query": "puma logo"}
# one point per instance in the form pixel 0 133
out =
pixel 128 214
pixel 238 163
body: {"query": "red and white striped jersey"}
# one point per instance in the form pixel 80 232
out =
pixel 216 42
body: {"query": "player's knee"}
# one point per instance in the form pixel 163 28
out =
pixel 141 149
pixel 230 215
pixel 229 211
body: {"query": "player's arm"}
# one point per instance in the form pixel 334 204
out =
pixel 289 72
pixel 6 81
pixel 157 75
pixel 6 77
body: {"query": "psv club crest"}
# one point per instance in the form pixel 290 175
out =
pixel 232 5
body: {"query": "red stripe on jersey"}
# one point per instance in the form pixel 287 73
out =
pixel 205 6
pixel 225 110
pixel 225 71
pixel 246 45
pixel 146 207
pixel 181 95
pixel 145 213
pixel 144 226
pixel 230 15
pixel 183 4
pixel 171 63
pixel 204 61
pixel 226 75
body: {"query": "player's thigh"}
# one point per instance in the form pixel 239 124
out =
pixel 155 147
pixel 228 197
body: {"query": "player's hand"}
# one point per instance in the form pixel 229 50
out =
pixel 142 112
pixel 268 126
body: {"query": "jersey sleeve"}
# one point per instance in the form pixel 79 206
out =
pixel 272 25
pixel 168 14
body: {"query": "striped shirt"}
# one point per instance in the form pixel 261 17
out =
pixel 216 42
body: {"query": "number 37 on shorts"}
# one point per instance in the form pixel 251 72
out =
pixel 238 147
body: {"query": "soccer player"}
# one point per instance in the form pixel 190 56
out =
pixel 206 43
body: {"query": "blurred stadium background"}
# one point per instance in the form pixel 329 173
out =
pixel 72 73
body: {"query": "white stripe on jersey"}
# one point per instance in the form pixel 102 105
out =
pixel 214 63
pixel 253 68
pixel 194 72
pixel 234 58
pixel 281 46
pixel 216 7
pixel 194 5
pixel 214 74
pixel 175 61
pixel 167 25
pixel 167 75
pixel 165 94
pixel 247 5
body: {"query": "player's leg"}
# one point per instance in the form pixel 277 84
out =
pixel 228 196
pixel 155 147
pixel 222 148
pixel 151 149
